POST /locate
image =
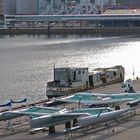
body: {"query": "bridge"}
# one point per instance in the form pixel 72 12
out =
pixel 103 19
pixel 52 18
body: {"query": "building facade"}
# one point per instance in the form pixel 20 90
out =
pixel 1 7
pixel 1 14
pixel 130 3
pixel 26 7
pixel 9 7
pixel 19 7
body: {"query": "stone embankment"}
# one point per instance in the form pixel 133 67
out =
pixel 71 30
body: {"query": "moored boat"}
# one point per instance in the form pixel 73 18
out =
pixel 68 80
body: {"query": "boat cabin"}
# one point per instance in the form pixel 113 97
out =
pixel 70 77
pixel 106 76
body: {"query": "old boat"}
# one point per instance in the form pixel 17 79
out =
pixel 68 80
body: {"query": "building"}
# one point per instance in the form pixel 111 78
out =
pixel 50 7
pixel 19 7
pixel 45 7
pixel 130 3
pixel 56 5
pixel 26 7
pixel 1 14
pixel 9 7
pixel 1 7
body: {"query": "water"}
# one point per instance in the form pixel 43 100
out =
pixel 26 63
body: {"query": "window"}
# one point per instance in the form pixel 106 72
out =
pixel 79 72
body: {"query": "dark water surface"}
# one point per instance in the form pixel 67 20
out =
pixel 26 63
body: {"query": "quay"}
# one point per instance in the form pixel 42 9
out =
pixel 71 30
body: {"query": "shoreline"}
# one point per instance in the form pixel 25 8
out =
pixel 108 89
pixel 71 30
pixel 119 130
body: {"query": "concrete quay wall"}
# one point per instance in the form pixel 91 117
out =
pixel 71 30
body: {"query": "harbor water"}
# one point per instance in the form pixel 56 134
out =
pixel 27 62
